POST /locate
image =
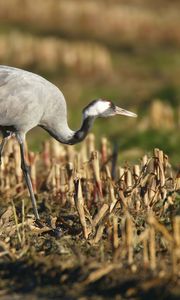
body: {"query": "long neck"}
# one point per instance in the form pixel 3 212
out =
pixel 65 135
pixel 81 133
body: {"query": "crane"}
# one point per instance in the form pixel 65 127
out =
pixel 28 100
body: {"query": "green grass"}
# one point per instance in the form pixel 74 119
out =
pixel 132 143
pixel 140 74
pixel 169 142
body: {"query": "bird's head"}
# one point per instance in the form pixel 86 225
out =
pixel 104 108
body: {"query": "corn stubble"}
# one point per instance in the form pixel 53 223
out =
pixel 131 213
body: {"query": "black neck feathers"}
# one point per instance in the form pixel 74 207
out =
pixel 80 134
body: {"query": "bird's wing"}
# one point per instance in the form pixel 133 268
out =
pixel 4 76
pixel 20 98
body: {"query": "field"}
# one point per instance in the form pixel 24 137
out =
pixel 91 50
pixel 109 231
pixel 109 207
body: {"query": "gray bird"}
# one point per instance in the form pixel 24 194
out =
pixel 28 100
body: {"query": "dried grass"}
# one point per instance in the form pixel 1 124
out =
pixel 28 50
pixel 103 20
pixel 108 209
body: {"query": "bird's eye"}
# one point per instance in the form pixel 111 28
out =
pixel 112 105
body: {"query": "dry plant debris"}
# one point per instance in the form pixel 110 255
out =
pixel 113 220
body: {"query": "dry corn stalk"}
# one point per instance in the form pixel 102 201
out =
pixel 100 214
pixel 70 154
pixel 79 201
pixel 46 154
pixel 115 232
pixel 177 182
pixel 90 144
pixel 136 173
pixel 129 237
pixel 96 170
pixel 102 219
pixel 112 198
pixel 121 175
pixel 99 234
pixel 144 160
pixel 152 242
pixel 161 168
pixel 17 159
pixel 63 185
pixel 104 153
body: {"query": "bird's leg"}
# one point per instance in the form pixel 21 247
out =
pixel 25 169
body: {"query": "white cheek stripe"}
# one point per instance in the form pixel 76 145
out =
pixel 97 108
pixel 102 107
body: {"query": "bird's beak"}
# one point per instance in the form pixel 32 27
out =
pixel 121 111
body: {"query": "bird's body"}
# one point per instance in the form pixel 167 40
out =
pixel 28 100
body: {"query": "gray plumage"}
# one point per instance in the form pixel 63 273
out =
pixel 28 100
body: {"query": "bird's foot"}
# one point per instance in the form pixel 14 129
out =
pixel 54 231
pixel 39 223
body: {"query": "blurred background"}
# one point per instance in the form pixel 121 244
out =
pixel 127 51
